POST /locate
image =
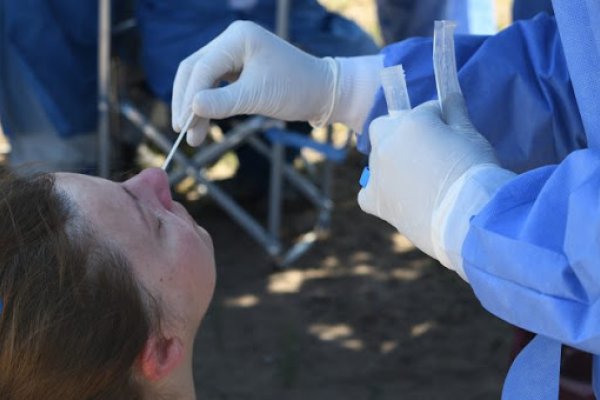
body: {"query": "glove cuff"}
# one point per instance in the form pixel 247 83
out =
pixel 464 199
pixel 325 118
pixel 357 81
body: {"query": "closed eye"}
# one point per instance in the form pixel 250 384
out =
pixel 143 212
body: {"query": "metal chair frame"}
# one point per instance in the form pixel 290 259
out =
pixel 245 133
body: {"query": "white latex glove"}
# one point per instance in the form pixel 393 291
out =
pixel 416 157
pixel 270 77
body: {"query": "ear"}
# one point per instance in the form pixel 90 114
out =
pixel 160 357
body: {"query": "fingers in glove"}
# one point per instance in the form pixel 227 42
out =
pixel 429 110
pixel 367 200
pixel 198 132
pixel 223 56
pixel 182 77
pixel 383 126
pixel 456 114
pixel 207 71
pixel 220 102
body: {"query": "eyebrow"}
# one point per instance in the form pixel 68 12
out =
pixel 138 206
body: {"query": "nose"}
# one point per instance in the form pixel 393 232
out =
pixel 151 186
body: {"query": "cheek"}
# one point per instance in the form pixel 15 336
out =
pixel 196 266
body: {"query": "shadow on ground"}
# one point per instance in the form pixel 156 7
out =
pixel 363 316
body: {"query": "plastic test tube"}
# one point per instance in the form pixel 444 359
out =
pixel 395 91
pixel 444 61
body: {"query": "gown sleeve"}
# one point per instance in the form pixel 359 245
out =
pixel 532 255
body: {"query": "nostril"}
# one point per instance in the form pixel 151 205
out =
pixel 161 186
pixel 155 182
pixel 164 196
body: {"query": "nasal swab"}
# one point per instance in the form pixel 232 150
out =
pixel 186 127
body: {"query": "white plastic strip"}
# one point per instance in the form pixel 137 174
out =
pixel 444 61
pixel 393 82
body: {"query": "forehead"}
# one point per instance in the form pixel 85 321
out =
pixel 93 197
pixel 110 213
pixel 106 207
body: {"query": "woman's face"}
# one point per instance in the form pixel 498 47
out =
pixel 171 255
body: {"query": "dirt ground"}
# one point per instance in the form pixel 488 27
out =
pixel 362 316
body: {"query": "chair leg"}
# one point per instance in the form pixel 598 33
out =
pixel 276 189
pixel 104 85
pixel 324 221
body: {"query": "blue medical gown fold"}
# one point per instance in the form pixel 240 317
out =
pixel 517 88
pixel 532 254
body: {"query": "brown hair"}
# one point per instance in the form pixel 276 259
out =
pixel 74 319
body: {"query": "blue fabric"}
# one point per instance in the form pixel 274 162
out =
pixel 531 255
pixel 501 76
pixel 536 243
pixel 55 41
pixel 498 88
pixel 541 382
pixel 173 29
pixel 536 246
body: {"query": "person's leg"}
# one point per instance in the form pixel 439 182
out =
pixel 401 19
pixel 525 9
pixel 575 370
pixel 326 34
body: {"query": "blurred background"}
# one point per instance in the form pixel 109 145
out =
pixel 362 315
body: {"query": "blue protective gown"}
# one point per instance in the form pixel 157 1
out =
pixel 173 29
pixel 532 255
pixel 52 45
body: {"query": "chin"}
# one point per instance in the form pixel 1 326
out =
pixel 205 237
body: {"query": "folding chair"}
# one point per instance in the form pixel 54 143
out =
pixel 276 138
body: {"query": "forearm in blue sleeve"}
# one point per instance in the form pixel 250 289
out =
pixel 517 89
pixel 531 255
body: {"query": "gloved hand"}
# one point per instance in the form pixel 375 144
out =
pixel 270 77
pixel 416 157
